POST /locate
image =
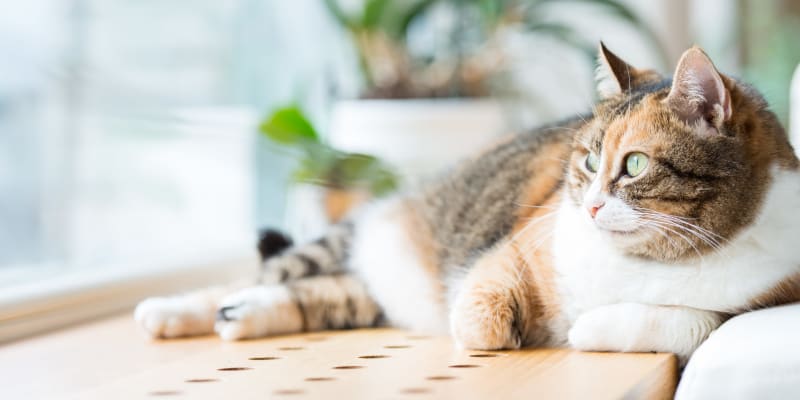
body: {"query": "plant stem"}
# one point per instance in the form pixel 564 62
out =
pixel 361 40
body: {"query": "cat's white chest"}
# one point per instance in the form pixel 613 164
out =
pixel 591 273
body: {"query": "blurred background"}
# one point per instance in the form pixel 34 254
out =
pixel 144 132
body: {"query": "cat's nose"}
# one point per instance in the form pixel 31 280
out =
pixel 595 208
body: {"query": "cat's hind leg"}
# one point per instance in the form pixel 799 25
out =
pixel 310 304
pixel 194 313
pixel 187 314
pixel 324 256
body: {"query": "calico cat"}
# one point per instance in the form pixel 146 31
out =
pixel 641 227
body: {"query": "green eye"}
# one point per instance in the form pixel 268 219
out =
pixel 635 163
pixel 592 162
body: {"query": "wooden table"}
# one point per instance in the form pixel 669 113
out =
pixel 110 360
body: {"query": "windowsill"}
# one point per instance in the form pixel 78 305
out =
pixel 109 359
pixel 38 307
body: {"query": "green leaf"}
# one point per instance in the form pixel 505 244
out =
pixel 321 164
pixel 316 165
pixel 373 12
pixel 324 159
pixel 490 12
pixel 305 173
pixel 353 170
pixel 289 126
pixel 384 181
pixel 354 167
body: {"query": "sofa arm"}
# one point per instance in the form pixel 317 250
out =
pixel 794 110
pixel 754 355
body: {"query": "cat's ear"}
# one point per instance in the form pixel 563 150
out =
pixel 614 76
pixel 698 91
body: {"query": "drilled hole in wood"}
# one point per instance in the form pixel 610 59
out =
pixel 288 391
pixel 263 358
pixel 291 348
pixel 233 369
pixel 464 366
pixel 348 367
pixel 374 356
pixel 201 380
pixel 396 346
pixel 415 390
pixel 440 378
pixel 320 379
pixel 417 337
pixel 484 355
pixel 164 393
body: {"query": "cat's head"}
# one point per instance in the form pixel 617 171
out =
pixel 670 169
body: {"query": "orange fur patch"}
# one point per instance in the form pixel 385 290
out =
pixel 533 248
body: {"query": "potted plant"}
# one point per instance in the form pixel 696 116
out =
pixel 428 102
pixel 328 182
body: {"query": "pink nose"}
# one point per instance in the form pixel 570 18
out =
pixel 594 209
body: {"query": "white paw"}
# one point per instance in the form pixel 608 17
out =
pixel 258 312
pixel 585 334
pixel 169 317
pixel 607 328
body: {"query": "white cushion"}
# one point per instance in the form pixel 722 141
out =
pixel 753 356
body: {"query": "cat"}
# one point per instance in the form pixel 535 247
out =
pixel 640 227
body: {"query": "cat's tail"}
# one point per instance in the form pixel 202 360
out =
pixel 283 262
pixel 272 242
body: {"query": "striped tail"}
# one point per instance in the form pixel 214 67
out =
pixel 283 262
pixel 272 242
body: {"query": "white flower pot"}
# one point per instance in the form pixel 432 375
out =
pixel 310 209
pixel 418 137
pixel 305 212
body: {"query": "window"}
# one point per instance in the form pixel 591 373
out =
pixel 129 146
pixel 122 141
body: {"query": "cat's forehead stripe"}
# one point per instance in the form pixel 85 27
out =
pixel 632 100
pixel 597 141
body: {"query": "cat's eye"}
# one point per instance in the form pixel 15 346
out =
pixel 592 162
pixel 635 164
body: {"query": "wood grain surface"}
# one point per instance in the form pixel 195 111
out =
pixel 110 360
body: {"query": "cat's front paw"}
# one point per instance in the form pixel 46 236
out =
pixel 484 323
pixel 608 328
pixel 176 316
pixel 258 312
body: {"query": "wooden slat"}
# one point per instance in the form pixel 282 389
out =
pixel 109 361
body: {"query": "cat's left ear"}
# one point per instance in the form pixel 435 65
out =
pixel 614 76
pixel 698 91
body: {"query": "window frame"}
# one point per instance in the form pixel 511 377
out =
pixel 39 307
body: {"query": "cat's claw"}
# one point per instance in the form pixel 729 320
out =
pixel 257 312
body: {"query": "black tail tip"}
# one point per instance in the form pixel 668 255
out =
pixel 272 242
